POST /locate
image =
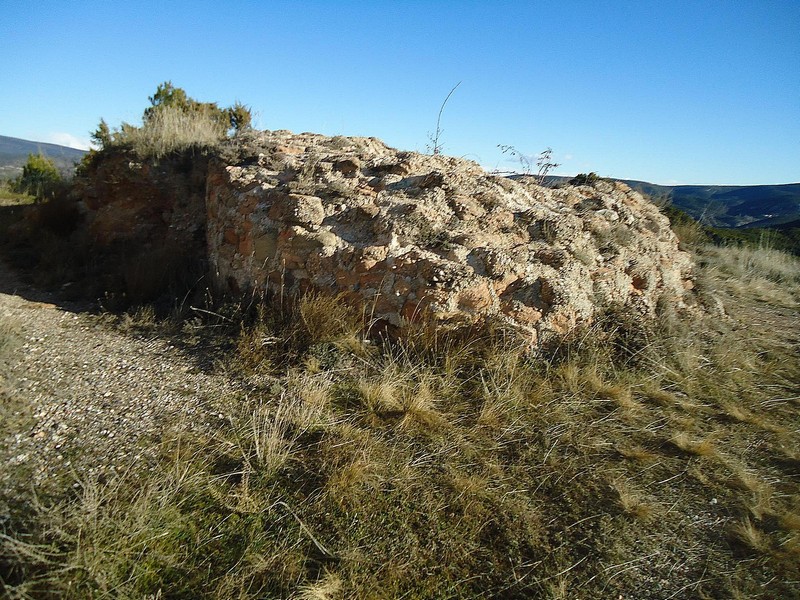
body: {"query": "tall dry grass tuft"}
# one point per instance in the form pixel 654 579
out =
pixel 763 274
pixel 315 329
pixel 9 332
pixel 265 436
pixel 507 386
pixel 329 587
pixel 630 500
pixel 171 129
pixel 410 396
pixel 748 535
pixel 421 404
pixel 751 264
pixel 328 318
pixel 697 447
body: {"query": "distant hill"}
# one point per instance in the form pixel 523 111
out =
pixel 14 152
pixel 769 206
pixel 731 205
pixel 726 206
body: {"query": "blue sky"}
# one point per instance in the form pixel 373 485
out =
pixel 672 92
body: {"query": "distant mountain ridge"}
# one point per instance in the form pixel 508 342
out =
pixel 14 152
pixel 731 205
pixel 771 206
pixel 728 206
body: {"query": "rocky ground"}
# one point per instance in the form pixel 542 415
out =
pixel 82 396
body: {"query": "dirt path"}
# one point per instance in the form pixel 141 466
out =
pixel 81 397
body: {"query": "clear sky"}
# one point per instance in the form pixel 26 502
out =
pixel 666 91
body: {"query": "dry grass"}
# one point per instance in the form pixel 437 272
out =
pixel 762 274
pixel 750 265
pixel 751 537
pixel 12 198
pixel 690 233
pixel 698 447
pixel 170 130
pixel 637 453
pixel 327 318
pixel 462 466
pixel 9 332
pixel 631 501
pixel 329 587
pixel 13 416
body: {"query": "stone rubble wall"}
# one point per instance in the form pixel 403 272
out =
pixel 135 202
pixel 406 235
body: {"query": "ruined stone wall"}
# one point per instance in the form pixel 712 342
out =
pixel 404 235
pixel 126 199
pixel 144 223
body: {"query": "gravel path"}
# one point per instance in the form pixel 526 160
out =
pixel 81 397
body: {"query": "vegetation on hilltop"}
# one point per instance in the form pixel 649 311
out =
pixel 174 122
pixel 786 238
pixel 41 183
pixel 14 154
pixel 585 178
pixel 763 206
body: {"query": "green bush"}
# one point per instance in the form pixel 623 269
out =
pixel 168 97
pixel 586 179
pixel 40 178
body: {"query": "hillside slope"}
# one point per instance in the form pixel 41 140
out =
pixel 279 446
pixel 731 206
pixel 14 152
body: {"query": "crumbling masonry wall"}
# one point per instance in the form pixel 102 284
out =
pixel 406 235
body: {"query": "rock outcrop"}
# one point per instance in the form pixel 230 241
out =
pixel 407 235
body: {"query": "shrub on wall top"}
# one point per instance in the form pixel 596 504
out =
pixel 174 122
